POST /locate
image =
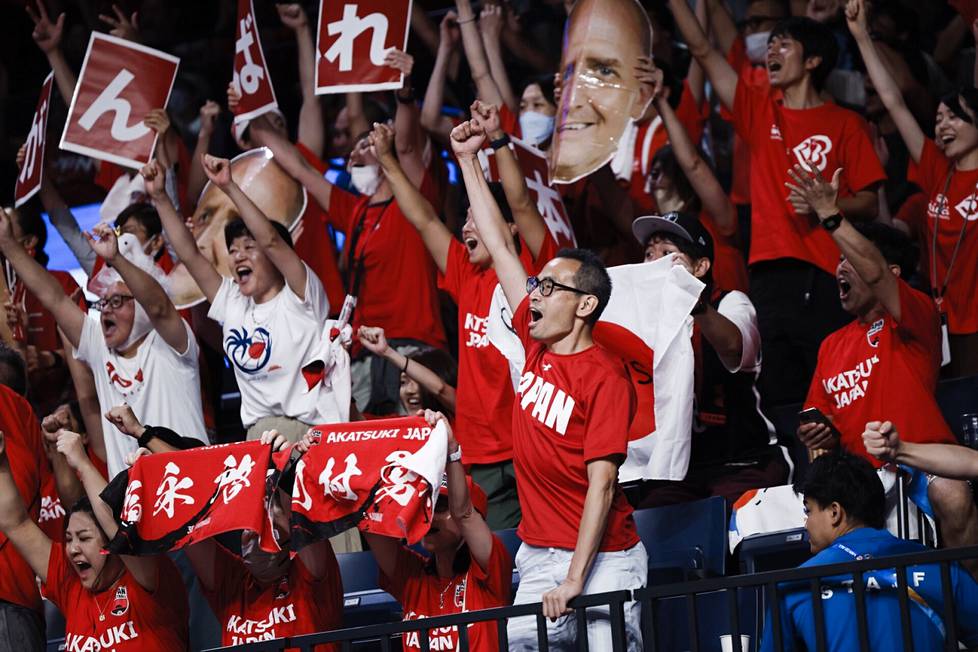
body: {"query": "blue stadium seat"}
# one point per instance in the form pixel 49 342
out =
pixel 364 602
pixel 957 396
pixel 671 623
pixel 686 540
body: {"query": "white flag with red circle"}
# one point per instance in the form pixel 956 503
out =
pixel 353 39
pixel 119 84
pixel 29 179
pixel 251 77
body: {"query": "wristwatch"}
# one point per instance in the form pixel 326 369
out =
pixel 456 456
pixel 832 222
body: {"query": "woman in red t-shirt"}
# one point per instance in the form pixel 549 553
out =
pixel 469 567
pixel 948 175
pixel 110 602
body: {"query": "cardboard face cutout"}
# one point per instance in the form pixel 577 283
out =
pixel 277 194
pixel 600 94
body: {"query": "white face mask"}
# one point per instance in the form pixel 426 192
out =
pixel 365 178
pixel 536 126
pixel 757 47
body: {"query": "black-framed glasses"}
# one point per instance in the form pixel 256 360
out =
pixel 115 302
pixel 548 285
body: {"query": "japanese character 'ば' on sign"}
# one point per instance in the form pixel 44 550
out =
pixel 354 37
pixel 119 84
pixel 250 77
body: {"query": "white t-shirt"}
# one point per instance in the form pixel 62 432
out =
pixel 736 307
pixel 161 385
pixel 268 344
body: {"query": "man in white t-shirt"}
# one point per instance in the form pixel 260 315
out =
pixel 273 311
pixel 140 350
pixel 734 446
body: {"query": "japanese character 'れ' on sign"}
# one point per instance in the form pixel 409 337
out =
pixel 353 39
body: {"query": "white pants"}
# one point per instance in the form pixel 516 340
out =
pixel 543 569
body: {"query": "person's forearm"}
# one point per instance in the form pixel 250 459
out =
pixel 424 27
pixel 424 376
pixel 723 335
pixel 355 115
pixel 418 211
pixel 38 280
pixel 68 485
pixel 859 252
pixel 485 85
pixel 594 521
pixel 861 207
pixel 84 384
pixel 146 291
pixel 944 460
pixel 94 484
pixel 64 76
pixel 722 24
pixel 723 78
pixel 522 50
pixel 497 68
pixel 196 177
pixel 176 229
pixel 530 223
pixel 311 133
pixel 257 222
pixel 12 510
pixel 408 135
pixel 434 94
pixel 66 225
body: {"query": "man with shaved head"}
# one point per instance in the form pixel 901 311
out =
pixel 600 93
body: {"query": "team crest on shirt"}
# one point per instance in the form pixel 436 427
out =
pixel 282 590
pixel 967 208
pixel 814 149
pixel 120 605
pixel 250 352
pixel 460 594
pixel 873 334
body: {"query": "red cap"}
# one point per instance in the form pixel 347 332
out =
pixel 478 497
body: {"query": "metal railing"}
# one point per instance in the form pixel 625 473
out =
pixel 770 582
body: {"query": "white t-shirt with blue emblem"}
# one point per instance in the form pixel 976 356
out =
pixel 268 343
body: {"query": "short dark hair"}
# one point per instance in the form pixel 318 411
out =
pixel 693 250
pixel 962 100
pixel 499 195
pixel 143 213
pixel 546 84
pixel 13 369
pixel 896 247
pixel 666 158
pixel 31 223
pixel 816 40
pixel 671 81
pixel 443 365
pixel 237 228
pixel 83 505
pixel 851 481
pixel 591 277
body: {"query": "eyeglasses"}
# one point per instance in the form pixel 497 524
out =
pixel 115 302
pixel 548 285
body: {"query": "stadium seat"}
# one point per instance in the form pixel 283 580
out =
pixel 671 624
pixel 512 543
pixel 364 602
pixel 774 551
pixel 686 540
pixel 957 396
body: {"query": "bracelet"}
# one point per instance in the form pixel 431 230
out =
pixel 146 437
pixel 407 361
pixel 470 20
pixel 500 142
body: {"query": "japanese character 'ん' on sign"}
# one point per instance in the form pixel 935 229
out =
pixel 354 37
pixel 29 180
pixel 251 76
pixel 119 84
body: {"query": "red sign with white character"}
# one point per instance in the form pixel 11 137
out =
pixel 250 72
pixel 536 171
pixel 354 37
pixel 29 180
pixel 119 84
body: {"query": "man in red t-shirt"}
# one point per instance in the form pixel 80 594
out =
pixel 570 429
pixel 883 365
pixel 792 259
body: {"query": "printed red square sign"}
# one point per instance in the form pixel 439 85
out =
pixel 119 84
pixel 354 38
pixel 250 72
pixel 29 180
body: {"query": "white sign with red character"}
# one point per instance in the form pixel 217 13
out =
pixel 251 77
pixel 29 180
pixel 119 84
pixel 353 40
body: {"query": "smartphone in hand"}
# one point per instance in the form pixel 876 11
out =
pixel 814 415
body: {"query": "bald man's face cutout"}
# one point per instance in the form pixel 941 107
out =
pixel 600 94
pixel 277 194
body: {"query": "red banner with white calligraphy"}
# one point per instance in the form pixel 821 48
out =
pixel 353 39
pixel 376 475
pixel 119 84
pixel 536 172
pixel 250 74
pixel 29 179
pixel 168 500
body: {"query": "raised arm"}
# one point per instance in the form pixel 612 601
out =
pixel 218 170
pixel 722 24
pixel 32 544
pixel 883 81
pixel 474 528
pixel 356 115
pixel 65 480
pixel 45 287
pixel 864 257
pixel 150 295
pixel 721 75
pixel 196 179
pixel 208 278
pixel 374 340
pixel 475 53
pixel 491 21
pixel 409 137
pixel 292 161
pixel 944 460
pixel 530 223
pixel 467 140
pixel 435 235
pixel 87 396
pixel 47 35
pixel 311 133
pixel 436 124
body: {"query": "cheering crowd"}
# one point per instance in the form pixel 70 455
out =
pixel 799 181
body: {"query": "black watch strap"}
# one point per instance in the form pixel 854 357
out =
pixel 832 222
pixel 500 142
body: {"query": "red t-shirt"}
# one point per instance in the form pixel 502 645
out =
pixel 484 404
pixel 423 594
pixel 572 409
pixel 300 605
pixel 967 8
pixel 729 266
pixel 883 371
pixel 42 329
pixel 134 619
pixel 962 199
pixel 314 245
pixel 832 137
pixel 755 76
pixel 398 289
pixel 25 455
